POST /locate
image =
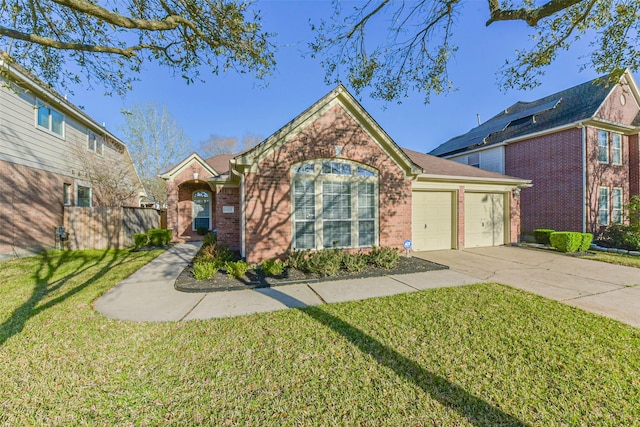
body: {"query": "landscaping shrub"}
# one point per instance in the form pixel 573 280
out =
pixel 272 267
pixel 140 240
pixel 566 241
pixel 354 262
pixel 159 236
pixel 204 270
pixel 236 269
pixel 210 239
pixel 542 235
pixel 623 236
pixel 384 257
pixel 298 260
pixel 587 238
pixel 218 253
pixel 202 230
pixel 326 262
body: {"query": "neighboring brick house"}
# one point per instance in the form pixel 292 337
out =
pixel 579 147
pixel 51 153
pixel 333 178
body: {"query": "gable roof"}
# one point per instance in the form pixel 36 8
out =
pixel 340 95
pixel 563 108
pixel 433 165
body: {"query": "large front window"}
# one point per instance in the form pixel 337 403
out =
pixel 334 204
pixel 603 206
pixel 603 146
pixel 616 205
pixel 201 210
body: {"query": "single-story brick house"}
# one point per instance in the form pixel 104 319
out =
pixel 332 177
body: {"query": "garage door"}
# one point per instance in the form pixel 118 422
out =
pixel 483 219
pixel 432 214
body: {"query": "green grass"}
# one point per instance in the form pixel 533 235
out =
pixel 611 258
pixel 477 355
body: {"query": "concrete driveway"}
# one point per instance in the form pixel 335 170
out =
pixel 606 289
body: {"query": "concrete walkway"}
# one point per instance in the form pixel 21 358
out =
pixel 606 289
pixel 149 295
pixel 610 290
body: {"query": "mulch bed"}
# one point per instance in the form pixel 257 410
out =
pixel 255 279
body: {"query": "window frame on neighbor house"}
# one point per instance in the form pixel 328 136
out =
pixel 331 196
pixel 617 205
pixel 197 197
pixel 84 200
pixel 66 194
pixel 47 122
pixel 616 148
pixel 603 146
pixel 95 143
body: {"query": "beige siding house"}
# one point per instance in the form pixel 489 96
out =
pixel 52 154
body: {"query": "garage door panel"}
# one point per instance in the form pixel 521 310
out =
pixel 432 214
pixel 484 219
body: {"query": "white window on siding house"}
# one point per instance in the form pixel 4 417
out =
pixel 616 149
pixel 83 196
pixel 335 205
pixel 66 194
pixel 95 143
pixel 49 119
pixel 603 146
pixel 603 206
pixel 474 160
pixel 616 205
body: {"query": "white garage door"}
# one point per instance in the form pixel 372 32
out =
pixel 484 219
pixel 432 215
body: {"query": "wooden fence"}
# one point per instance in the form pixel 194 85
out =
pixel 103 228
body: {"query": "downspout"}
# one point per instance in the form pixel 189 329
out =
pixel 242 212
pixel 584 176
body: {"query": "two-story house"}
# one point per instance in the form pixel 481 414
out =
pixel 52 155
pixel 579 147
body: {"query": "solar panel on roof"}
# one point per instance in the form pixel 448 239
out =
pixel 478 134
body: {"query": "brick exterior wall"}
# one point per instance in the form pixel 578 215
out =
pixel 554 165
pixel 268 188
pixel 31 207
pixel 228 224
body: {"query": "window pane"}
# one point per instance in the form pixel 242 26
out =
pixel 306 169
pixel 366 201
pixel 304 206
pixel 56 122
pixel 201 209
pixel 336 168
pixel 603 206
pixel 100 145
pixel 603 146
pixel 616 149
pixel 43 116
pixel 66 188
pixel 366 233
pixel 91 144
pixel 305 237
pixel 336 234
pixel 336 200
pixel 364 172
pixel 84 196
pixel 617 205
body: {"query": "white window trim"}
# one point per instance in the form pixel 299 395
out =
pixel 318 178
pixel 193 207
pixel 613 208
pixel 621 151
pixel 606 133
pixel 78 185
pixel 98 142
pixel 66 193
pixel 608 203
pixel 49 129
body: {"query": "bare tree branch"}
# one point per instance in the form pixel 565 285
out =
pixel 529 15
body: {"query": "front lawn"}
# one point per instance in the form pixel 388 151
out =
pixel 476 355
pixel 611 258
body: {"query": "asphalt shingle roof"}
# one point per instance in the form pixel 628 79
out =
pixel 568 106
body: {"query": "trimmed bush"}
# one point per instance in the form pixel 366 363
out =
pixel 326 262
pixel 384 257
pixel 236 269
pixel 298 260
pixel 566 241
pixel 140 240
pixel 204 270
pixel 159 236
pixel 272 267
pixel 210 239
pixel 543 235
pixel 354 262
pixel 587 238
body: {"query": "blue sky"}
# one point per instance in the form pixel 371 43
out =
pixel 231 105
